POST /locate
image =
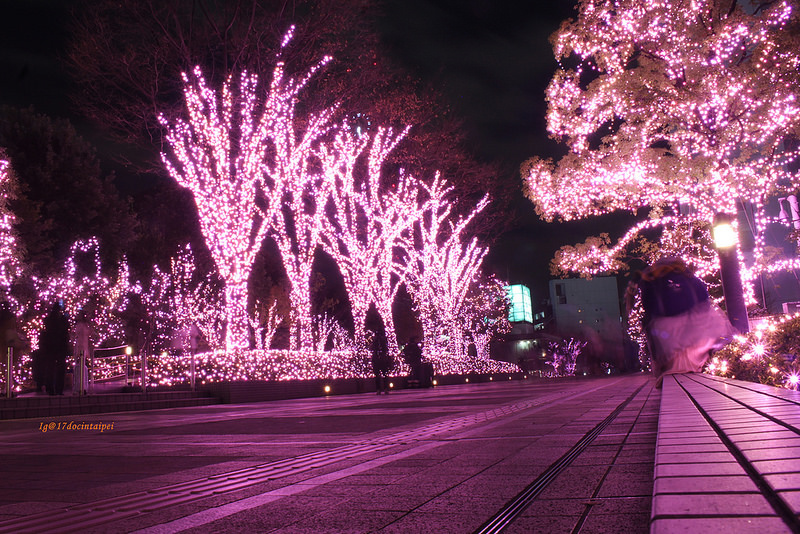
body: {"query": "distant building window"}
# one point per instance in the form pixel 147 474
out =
pixel 561 294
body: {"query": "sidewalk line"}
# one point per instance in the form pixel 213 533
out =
pixel 212 514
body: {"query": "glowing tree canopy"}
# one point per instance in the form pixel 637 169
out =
pixel 679 107
pixel 243 160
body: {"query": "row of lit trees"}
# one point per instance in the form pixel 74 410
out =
pixel 259 170
pixel 159 312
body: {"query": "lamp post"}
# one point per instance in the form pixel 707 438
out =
pixel 725 240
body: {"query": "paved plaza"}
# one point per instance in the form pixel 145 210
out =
pixel 524 456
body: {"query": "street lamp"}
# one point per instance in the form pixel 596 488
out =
pixel 725 240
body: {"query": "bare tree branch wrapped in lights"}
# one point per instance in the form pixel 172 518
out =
pixel 368 224
pixel 441 269
pixel 682 108
pixel 248 166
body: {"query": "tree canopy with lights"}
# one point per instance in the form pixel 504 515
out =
pixel 686 109
pixel 249 167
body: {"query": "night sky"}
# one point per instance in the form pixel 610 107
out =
pixel 492 59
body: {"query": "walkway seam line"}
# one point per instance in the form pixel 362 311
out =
pixel 520 503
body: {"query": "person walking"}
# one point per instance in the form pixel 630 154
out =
pixel 681 322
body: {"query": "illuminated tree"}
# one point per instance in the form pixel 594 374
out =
pixel 441 268
pixel 195 299
pixel 249 167
pixel 681 108
pixel 83 285
pixel 368 225
pixel 565 356
pixel 10 266
pixel 484 313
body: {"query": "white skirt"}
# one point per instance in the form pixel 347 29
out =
pixel 681 343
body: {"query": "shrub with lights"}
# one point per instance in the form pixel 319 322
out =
pixel 768 355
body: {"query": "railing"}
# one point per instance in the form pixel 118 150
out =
pixel 114 364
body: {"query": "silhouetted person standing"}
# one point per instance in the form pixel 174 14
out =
pixel 381 361
pixel 412 354
pixel 54 346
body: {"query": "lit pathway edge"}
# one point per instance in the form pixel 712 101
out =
pixel 728 432
pixel 97 513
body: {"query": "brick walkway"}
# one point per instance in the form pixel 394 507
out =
pixel 727 457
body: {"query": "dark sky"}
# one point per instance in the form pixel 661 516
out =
pixel 492 57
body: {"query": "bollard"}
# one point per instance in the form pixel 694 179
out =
pixel 81 373
pixel 192 369
pixel 10 373
pixel 144 372
pixel 89 373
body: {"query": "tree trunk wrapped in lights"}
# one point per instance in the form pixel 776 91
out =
pixel 667 105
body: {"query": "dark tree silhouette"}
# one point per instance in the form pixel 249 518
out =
pixel 63 195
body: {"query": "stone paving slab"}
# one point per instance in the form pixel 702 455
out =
pixel 450 478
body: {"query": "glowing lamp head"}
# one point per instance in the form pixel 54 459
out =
pixel 327 389
pixel 128 350
pixel 725 235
